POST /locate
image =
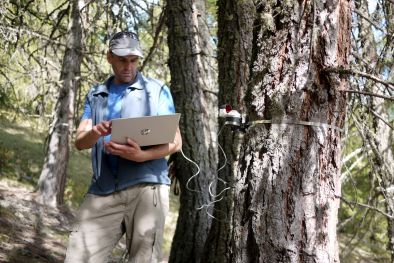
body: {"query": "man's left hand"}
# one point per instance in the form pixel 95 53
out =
pixel 130 151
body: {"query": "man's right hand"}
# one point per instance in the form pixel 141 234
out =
pixel 102 129
pixel 87 135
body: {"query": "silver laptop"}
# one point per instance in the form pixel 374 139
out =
pixel 149 130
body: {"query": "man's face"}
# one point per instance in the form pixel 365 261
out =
pixel 125 68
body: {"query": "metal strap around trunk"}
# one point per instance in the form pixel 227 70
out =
pixel 317 124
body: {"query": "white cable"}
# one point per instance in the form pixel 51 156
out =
pixel 225 162
pixel 206 206
pixel 194 174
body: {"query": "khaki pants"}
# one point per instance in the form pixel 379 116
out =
pixel 139 211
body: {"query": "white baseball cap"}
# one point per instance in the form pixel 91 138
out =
pixel 125 44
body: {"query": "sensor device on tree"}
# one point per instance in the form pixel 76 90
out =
pixel 233 118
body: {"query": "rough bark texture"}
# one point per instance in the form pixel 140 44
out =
pixel 193 82
pixel 288 181
pixel 53 175
pixel 235 34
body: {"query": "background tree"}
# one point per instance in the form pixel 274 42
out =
pixel 235 34
pixel 288 187
pixel 193 85
pixel 53 176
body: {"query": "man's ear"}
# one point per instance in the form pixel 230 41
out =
pixel 109 57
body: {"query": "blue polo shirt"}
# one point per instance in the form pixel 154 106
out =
pixel 165 106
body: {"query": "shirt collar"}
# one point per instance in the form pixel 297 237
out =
pixel 137 84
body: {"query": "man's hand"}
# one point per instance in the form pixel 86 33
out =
pixel 87 135
pixel 130 151
pixel 102 129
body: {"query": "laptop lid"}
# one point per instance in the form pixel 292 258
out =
pixel 149 130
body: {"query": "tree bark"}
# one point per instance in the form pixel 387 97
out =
pixel 52 180
pixel 235 34
pixel 193 82
pixel 288 181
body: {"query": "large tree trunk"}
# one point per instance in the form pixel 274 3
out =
pixel 235 34
pixel 53 175
pixel 193 84
pixel 288 182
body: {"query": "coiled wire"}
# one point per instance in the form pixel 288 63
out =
pixel 210 204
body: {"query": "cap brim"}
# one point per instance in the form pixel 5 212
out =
pixel 127 52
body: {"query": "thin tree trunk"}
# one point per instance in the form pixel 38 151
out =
pixel 193 80
pixel 52 180
pixel 235 34
pixel 288 182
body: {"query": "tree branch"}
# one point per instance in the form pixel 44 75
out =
pixel 34 34
pixel 377 116
pixel 369 94
pixel 366 206
pixel 210 91
pixel 157 33
pixel 363 74
pixel 370 21
pixel 340 226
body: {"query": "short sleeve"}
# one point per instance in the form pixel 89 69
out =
pixel 166 104
pixel 87 113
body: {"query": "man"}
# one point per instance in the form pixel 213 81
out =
pixel 130 187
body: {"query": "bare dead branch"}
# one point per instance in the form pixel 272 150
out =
pixel 363 74
pixel 343 179
pixel 378 116
pixel 367 206
pixel 344 223
pixel 157 33
pixel 370 21
pixel 32 33
pixel 369 94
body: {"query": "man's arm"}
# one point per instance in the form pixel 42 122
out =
pixel 87 135
pixel 133 152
